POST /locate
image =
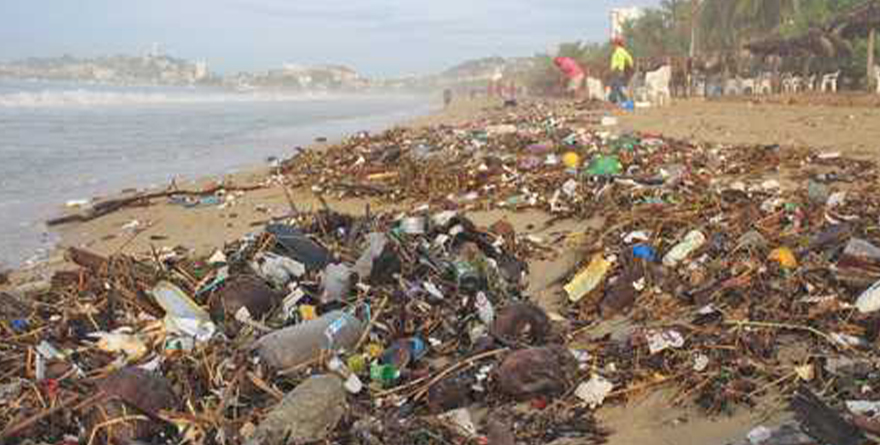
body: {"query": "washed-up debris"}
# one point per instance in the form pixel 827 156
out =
pixel 719 274
pixel 306 414
pixel 594 391
pixel 590 278
pixel 823 423
pixel 303 342
pixel 537 371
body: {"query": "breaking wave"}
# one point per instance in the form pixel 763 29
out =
pixel 83 97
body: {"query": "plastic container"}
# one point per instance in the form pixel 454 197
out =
pixel 294 244
pixel 298 344
pixel 336 283
pixel 276 269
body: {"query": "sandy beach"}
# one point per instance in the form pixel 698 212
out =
pixel 647 416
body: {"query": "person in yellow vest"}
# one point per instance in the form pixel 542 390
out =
pixel 621 66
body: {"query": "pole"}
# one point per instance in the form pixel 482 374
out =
pixel 872 40
pixel 695 16
pixel 694 12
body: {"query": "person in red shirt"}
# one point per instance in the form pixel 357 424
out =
pixel 573 72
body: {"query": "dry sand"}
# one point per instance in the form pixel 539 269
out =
pixel 815 122
pixel 648 417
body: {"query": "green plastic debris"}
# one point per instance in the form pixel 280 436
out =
pixel 604 165
pixel 384 374
pixel 625 143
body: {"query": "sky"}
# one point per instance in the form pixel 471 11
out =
pixel 375 37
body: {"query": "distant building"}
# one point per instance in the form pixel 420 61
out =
pixel 201 70
pixel 619 17
pixel 156 51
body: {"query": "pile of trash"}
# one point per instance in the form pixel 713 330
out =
pixel 740 277
pixel 371 329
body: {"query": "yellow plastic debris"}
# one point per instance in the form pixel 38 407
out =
pixel 588 279
pixel 374 350
pixel 571 160
pixel 308 312
pixel 785 257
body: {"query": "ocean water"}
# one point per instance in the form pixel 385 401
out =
pixel 61 141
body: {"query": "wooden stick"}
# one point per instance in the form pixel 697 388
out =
pixel 772 325
pixel 465 364
pixel 14 430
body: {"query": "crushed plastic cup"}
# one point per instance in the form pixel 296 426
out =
pixel 659 341
pixel 594 391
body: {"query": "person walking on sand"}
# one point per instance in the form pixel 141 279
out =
pixel 621 64
pixel 447 97
pixel 573 73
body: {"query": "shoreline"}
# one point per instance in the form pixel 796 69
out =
pixel 36 240
pixel 99 233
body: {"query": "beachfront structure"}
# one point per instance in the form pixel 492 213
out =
pixel 619 17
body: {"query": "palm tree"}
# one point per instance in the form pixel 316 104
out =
pixel 762 16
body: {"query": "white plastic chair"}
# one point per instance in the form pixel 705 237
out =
pixel 829 82
pixel 765 84
pixel 796 84
pixel 810 83
pixel 787 86
pixel 732 88
pixel 748 86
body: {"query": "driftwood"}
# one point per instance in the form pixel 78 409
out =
pixel 106 207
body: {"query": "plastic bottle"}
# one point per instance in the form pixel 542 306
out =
pixel 300 343
pixel 182 315
pixel 693 241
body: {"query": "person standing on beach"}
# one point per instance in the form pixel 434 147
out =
pixel 573 73
pixel 447 97
pixel 621 65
